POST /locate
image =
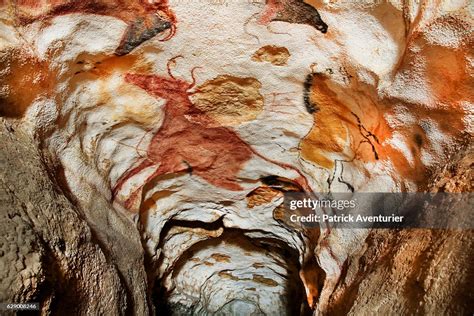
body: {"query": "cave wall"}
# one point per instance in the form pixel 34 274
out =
pixel 54 254
pixel 147 145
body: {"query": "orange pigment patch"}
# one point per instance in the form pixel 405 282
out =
pixel 23 79
pixel 452 82
pixel 261 195
pixel 339 124
pixel 275 55
pixel 219 257
pixel 329 133
pixel 152 201
pixel 104 66
pixel 352 124
pixel 99 68
pixel 448 72
pixel 310 277
pixel 229 100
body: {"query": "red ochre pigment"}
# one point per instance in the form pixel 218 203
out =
pixel 190 140
pixel 144 19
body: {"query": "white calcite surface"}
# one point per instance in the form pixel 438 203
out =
pixel 182 133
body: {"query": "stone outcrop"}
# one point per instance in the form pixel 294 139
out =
pixel 55 253
pixel 146 148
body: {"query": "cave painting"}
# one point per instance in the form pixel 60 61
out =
pixel 354 127
pixel 190 140
pixel 276 55
pixel 364 124
pixel 230 100
pixel 19 71
pixel 292 11
pixel 145 19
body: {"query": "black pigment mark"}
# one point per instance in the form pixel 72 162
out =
pixel 418 140
pixel 341 177
pixel 138 33
pixel 190 168
pixel 282 184
pixel 299 12
pixel 366 134
pixel 311 107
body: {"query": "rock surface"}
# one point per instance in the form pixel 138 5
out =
pixel 146 147
pixel 51 253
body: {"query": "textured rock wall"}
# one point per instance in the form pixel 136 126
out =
pixel 417 271
pixel 50 253
pixel 170 132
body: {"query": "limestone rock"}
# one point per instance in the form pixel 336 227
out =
pixel 147 147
